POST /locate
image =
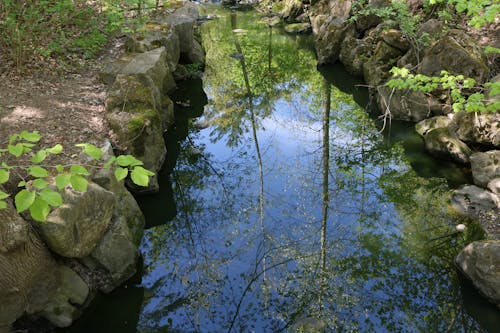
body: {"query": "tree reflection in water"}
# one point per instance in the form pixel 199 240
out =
pixel 293 212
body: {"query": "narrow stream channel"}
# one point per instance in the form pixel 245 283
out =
pixel 283 209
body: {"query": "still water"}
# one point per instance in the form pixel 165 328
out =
pixel 284 209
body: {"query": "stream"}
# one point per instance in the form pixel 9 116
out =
pixel 283 208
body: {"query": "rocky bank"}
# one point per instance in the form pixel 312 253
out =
pixel 52 270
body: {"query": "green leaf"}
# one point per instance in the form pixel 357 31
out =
pixel 53 198
pixel 4 176
pixel 57 149
pixel 23 200
pixel 16 150
pixel 39 156
pixel 140 176
pixel 38 171
pixel 109 162
pixel 127 160
pixel 79 170
pixel 22 183
pixel 30 136
pixel 62 180
pixel 3 195
pixel 91 150
pixel 79 183
pixel 40 184
pixel 3 204
pixel 39 210
pixel 121 173
pixel 59 168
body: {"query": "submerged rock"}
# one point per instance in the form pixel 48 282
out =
pixel 480 262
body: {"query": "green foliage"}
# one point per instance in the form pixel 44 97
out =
pixel 34 31
pixel 479 12
pixel 463 93
pixel 40 190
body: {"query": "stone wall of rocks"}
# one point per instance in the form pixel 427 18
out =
pixel 90 244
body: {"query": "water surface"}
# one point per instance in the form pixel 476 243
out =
pixel 283 209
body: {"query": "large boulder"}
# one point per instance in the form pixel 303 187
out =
pixel 405 104
pixel 480 262
pixel 183 22
pixel 397 39
pixel 430 124
pixel 74 229
pixel 292 10
pixel 330 27
pixel 31 281
pixel 457 53
pixel 443 143
pixel 483 128
pixel 376 69
pixel 485 167
pixel 354 53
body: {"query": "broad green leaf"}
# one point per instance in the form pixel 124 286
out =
pixel 39 210
pixel 3 204
pixel 40 184
pixel 16 150
pixel 121 173
pixel 62 180
pixel 127 160
pixel 109 162
pixel 3 195
pixel 57 149
pixel 13 138
pixel 59 168
pixel 22 183
pixel 4 176
pixel 79 183
pixel 30 136
pixel 23 200
pixel 79 170
pixel 140 176
pixel 53 198
pixel 91 150
pixel 38 171
pixel 39 156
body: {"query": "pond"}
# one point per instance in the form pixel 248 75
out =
pixel 284 209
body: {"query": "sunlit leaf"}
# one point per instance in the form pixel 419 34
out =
pixel 128 160
pixel 121 173
pixel 39 156
pixel 40 184
pixel 79 183
pixel 24 199
pixel 38 171
pixel 16 150
pixel 79 170
pixel 30 136
pixel 53 198
pixel 57 149
pixel 62 180
pixel 4 176
pixel 140 176
pixel 39 210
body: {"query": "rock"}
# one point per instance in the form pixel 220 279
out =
pixel 330 27
pixel 457 53
pixel 31 281
pixel 470 199
pixel 329 43
pixel 117 253
pixel 354 53
pixel 183 21
pixel 298 28
pixel 366 22
pixel 376 69
pixel 405 104
pixel 74 229
pixel 157 35
pixel 441 142
pixel 196 55
pixel 132 93
pixel 480 262
pixel 71 290
pixel 432 123
pixel 485 167
pixel 481 128
pixel 494 186
pixel 395 38
pixel 112 69
pixel 433 29
pixel 291 10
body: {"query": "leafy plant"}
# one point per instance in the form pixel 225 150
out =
pixel 464 93
pixel 40 191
